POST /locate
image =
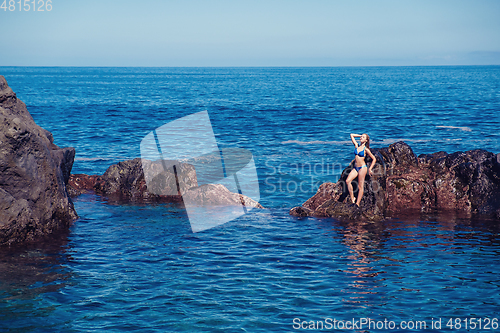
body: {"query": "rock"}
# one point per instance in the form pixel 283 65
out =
pixel 218 195
pixel 125 182
pixel 300 212
pixel 325 192
pixel 464 182
pixel 33 174
pixel 80 183
pixel 409 191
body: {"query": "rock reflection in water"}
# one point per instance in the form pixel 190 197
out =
pixel 400 258
pixel 28 272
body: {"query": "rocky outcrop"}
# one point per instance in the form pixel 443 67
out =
pixel 33 175
pixel 125 182
pixel 218 195
pixel 464 182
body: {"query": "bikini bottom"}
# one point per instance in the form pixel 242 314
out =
pixel 359 168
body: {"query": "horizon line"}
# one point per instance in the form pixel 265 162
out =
pixel 270 66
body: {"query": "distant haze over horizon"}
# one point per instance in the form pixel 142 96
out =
pixel 276 33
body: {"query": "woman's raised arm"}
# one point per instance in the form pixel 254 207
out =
pixel 354 140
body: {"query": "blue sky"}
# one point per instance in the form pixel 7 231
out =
pixel 253 33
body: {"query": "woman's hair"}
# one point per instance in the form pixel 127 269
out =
pixel 367 144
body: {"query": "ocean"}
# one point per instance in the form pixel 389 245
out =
pixel 136 267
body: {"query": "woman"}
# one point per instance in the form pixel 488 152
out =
pixel 360 168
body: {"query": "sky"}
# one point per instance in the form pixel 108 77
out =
pixel 217 33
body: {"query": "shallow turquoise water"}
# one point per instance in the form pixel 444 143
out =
pixel 138 267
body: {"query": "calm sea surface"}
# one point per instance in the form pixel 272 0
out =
pixel 140 268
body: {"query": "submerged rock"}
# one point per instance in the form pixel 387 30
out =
pixel 33 175
pixel 464 182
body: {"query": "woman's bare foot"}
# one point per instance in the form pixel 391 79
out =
pixel 353 200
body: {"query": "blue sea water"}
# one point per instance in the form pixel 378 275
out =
pixel 140 268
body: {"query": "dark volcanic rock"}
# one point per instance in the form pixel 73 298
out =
pixel 80 183
pixel 33 175
pixel 465 182
pixel 125 182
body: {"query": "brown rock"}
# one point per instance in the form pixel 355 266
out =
pixel 218 195
pixel 464 182
pixel 125 182
pixel 325 192
pixel 81 183
pixel 300 211
pixel 410 191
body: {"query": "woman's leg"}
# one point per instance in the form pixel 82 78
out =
pixel 361 183
pixel 353 174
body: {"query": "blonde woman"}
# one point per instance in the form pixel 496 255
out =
pixel 360 168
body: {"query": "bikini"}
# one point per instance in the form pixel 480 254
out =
pixel 360 154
